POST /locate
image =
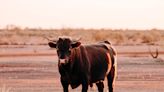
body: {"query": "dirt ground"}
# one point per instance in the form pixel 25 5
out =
pixel 34 69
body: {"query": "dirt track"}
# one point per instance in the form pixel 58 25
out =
pixel 40 74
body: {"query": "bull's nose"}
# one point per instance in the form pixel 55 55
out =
pixel 62 61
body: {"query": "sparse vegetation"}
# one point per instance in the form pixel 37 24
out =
pixel 15 35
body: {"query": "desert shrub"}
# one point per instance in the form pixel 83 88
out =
pixel 150 37
pixel 147 38
pixel 156 35
pixel 16 35
pixel 99 36
pixel 120 38
pixel 66 32
pixel 116 37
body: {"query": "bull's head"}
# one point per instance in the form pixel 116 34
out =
pixel 64 45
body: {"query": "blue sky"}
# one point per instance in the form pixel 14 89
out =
pixel 132 14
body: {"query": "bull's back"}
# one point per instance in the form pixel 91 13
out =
pixel 99 61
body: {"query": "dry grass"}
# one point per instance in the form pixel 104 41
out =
pixel 16 35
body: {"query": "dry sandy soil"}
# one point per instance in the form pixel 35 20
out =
pixel 34 69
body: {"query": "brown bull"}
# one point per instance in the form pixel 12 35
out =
pixel 85 64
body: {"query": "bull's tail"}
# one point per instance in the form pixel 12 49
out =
pixel 111 76
pixel 113 55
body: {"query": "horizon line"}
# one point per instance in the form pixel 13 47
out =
pixel 12 26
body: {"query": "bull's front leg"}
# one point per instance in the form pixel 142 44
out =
pixel 84 86
pixel 65 84
pixel 85 82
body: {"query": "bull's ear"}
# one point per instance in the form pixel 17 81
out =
pixel 52 44
pixel 75 44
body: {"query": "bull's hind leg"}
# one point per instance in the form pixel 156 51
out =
pixel 111 78
pixel 100 86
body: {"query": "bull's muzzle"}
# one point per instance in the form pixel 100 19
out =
pixel 63 61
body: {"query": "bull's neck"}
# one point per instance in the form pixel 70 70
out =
pixel 74 55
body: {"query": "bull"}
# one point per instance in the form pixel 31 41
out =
pixel 84 65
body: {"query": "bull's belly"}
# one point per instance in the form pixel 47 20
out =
pixel 97 78
pixel 74 82
pixel 98 74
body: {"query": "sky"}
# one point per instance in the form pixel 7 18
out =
pixel 115 14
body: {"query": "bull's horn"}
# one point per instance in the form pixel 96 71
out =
pixel 76 40
pixel 50 39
